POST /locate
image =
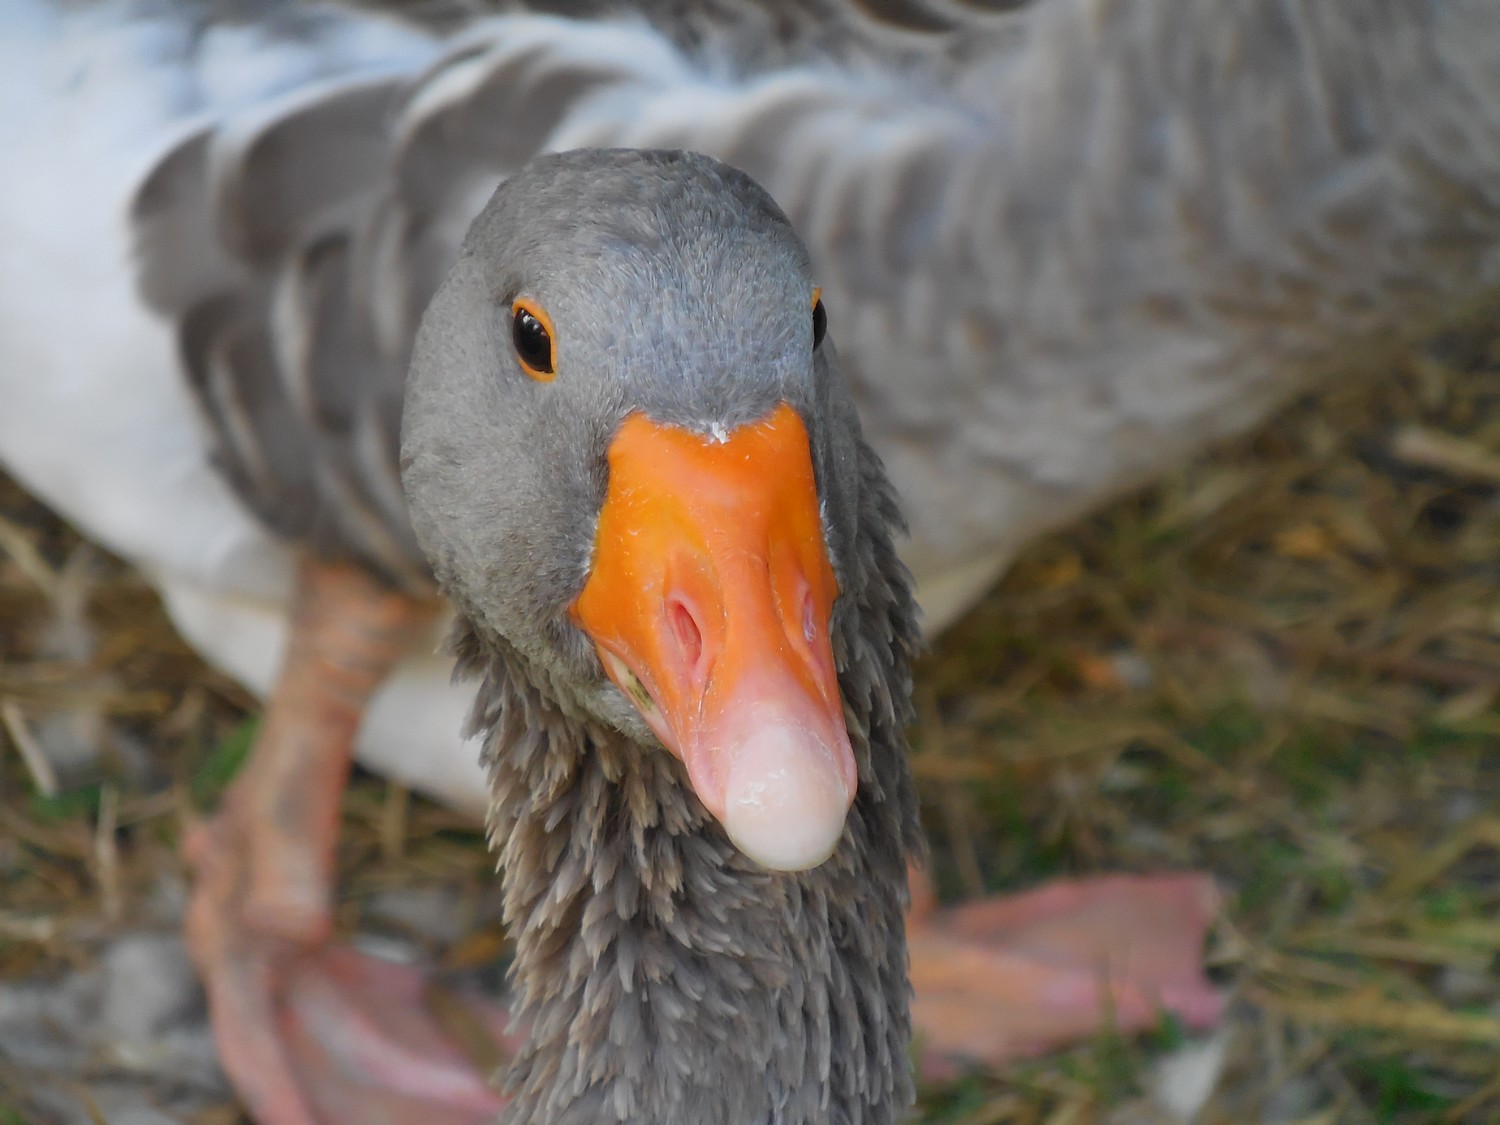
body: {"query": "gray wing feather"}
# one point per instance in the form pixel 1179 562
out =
pixel 253 239
pixel 295 245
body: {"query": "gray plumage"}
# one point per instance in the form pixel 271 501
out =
pixel 1064 245
pixel 666 978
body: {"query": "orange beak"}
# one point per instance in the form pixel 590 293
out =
pixel 709 601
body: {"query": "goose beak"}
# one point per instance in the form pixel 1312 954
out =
pixel 709 601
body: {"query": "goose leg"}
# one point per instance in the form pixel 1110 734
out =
pixel 309 1032
pixel 1007 978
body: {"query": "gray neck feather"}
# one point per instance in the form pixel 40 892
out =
pixel 664 977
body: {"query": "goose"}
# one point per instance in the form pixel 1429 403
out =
pixel 1064 246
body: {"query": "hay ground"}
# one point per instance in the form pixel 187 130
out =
pixel 1281 666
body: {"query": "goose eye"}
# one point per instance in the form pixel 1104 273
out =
pixel 531 333
pixel 820 319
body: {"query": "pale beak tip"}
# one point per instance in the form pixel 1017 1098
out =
pixel 785 800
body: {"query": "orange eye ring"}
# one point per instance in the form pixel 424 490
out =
pixel 534 340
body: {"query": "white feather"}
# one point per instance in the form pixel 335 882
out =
pixel 95 417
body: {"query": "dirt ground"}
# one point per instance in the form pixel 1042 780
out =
pixel 1280 666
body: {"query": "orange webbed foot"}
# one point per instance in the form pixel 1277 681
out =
pixel 1015 977
pixel 309 1032
pixel 312 1032
pixel 365 1046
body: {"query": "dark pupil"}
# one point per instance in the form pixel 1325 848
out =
pixel 533 344
pixel 820 324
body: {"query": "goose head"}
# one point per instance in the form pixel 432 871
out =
pixel 631 459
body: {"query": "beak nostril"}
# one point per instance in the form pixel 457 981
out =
pixel 685 628
pixel 809 619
